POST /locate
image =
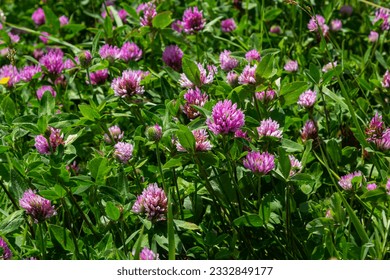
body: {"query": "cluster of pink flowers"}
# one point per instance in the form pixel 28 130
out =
pixel 98 77
pixel 228 63
pixel 146 255
pixel 248 75
pixel 202 142
pixel 152 203
pixel 346 181
pixel 147 13
pixel 53 62
pixel 115 133
pixel 29 71
pixel 228 25
pixel 225 118
pixel 373 37
pixel 154 133
pixel 316 23
pixel 307 99
pixel 193 20
pixel 336 25
pixel 270 128
pixel 252 55
pixel 46 147
pixel 232 78
pixel 43 89
pixel 129 84
pixel 275 29
pixel 11 72
pixel 172 56
pixel 329 66
pixel 39 208
pixel 121 13
pixel 194 97
pixel 259 163
pixel 291 66
pixel 123 151
pixel 384 15
pixel 309 131
pixel 6 252
pixel 377 133
pixel 39 16
pixel 206 77
pixel 386 80
pixel 296 165
pixel 128 51
pixel 266 95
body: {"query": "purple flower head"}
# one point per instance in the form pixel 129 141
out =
pixel 11 72
pixel 69 63
pixel 248 75
pixel 130 51
pixel 123 151
pixel 6 252
pixel 39 208
pixel 172 57
pixel 228 25
pixel 154 133
pixel 388 186
pixel 373 37
pixel 316 23
pixel 52 61
pixel 123 14
pixel 152 203
pixel 329 66
pixel 63 20
pixel 242 134
pixel 115 133
pixel 265 96
pixel 275 29
pixel 336 25
pixel 346 181
pixel 73 167
pixel 148 12
pixel 29 71
pixel 146 255
pixel 177 26
pixel 232 78
pixel 296 165
pixel 383 143
pixel 38 53
pixel 42 145
pixel 307 99
pixel 291 66
pixel 226 118
pixel 98 77
pixel 110 53
pixel 371 187
pixel 269 127
pixel 43 89
pixel 309 131
pixel 14 38
pixel 252 55
pixel 85 59
pixel 55 138
pixel 384 15
pixel 44 37
pixel 228 63
pixel 259 163
pixel 129 84
pixel 375 129
pixel 194 97
pixel 206 77
pixel 346 10
pixel 386 79
pixel 39 16
pixel 193 20
pixel 202 142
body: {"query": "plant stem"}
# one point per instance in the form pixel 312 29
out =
pixel 43 245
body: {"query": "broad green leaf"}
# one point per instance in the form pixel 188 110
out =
pixel 88 112
pixel 108 27
pixel 284 163
pixel 51 20
pixel 12 222
pixel 186 138
pixel 62 235
pixel 249 220
pixel 291 146
pixel 47 104
pixel 99 168
pixel 334 150
pixel 191 70
pixel 266 68
pixel 8 108
pixel 162 20
pixel 112 211
pixel 289 93
pixel 186 225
